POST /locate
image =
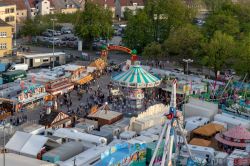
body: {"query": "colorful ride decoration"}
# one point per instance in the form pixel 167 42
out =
pixel 124 154
pixel 136 78
pixel 105 49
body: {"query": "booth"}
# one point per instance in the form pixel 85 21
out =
pixel 59 86
pixel 7 107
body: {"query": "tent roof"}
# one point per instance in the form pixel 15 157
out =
pixel 34 145
pixel 238 132
pixel 26 143
pixel 136 77
pixel 17 141
pixel 200 142
pixel 209 129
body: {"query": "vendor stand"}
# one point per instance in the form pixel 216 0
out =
pixel 31 93
pixel 59 86
pixel 7 108
pixel 100 65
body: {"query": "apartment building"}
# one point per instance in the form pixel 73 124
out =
pixel 5 38
pixel 8 13
pixel 21 9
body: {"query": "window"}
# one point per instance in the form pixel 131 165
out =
pixel 7 10
pixel 3 46
pixel 12 10
pixel 10 19
pixel 46 60
pixel 3 34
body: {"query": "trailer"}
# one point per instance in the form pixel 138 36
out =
pixel 44 59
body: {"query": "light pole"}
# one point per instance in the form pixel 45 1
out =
pixel 3 142
pixel 187 61
pixel 53 47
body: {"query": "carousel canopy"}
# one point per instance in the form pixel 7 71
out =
pixel 136 77
pixel 238 132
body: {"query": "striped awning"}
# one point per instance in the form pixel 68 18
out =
pixel 136 77
pixel 84 80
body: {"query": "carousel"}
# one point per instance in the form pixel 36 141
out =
pixel 135 79
pixel 235 138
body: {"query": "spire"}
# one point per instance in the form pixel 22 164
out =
pixel 173 94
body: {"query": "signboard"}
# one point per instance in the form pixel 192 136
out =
pixel 242 161
pixel 120 48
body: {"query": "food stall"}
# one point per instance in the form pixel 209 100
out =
pixel 59 86
pixel 7 108
pixel 31 93
pixel 100 65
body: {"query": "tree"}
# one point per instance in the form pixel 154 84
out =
pixel 138 32
pixel 242 61
pixel 184 42
pixel 127 13
pixel 152 51
pixel 222 22
pixel 33 27
pixel 219 50
pixel 167 15
pixel 156 21
pixel 95 21
pixel 216 5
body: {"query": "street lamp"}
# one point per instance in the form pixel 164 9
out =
pixel 187 61
pixel 53 21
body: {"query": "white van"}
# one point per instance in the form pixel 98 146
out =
pixel 14 67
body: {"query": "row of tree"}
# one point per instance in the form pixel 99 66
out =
pixel 36 26
pixel 165 28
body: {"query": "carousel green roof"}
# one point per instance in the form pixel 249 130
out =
pixel 136 77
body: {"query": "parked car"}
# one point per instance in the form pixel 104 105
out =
pixel 47 34
pixel 56 40
pixel 72 39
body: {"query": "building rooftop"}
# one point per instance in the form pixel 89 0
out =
pixel 20 160
pixel 20 5
pixel 63 4
pixel 131 2
pixel 3 23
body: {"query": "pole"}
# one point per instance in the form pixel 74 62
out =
pixel 158 144
pixel 4 143
pixel 53 42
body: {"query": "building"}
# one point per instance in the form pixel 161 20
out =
pixel 104 115
pixel 6 31
pixel 32 10
pixel 55 119
pixel 20 160
pixel 43 7
pixel 21 9
pixel 66 6
pixel 132 5
pixel 8 13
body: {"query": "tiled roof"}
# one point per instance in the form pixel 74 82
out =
pixel 19 3
pixel 109 3
pixel 3 24
pixel 130 2
pixel 62 4
pixel 32 3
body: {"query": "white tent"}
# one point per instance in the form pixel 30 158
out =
pixel 26 143
pixel 17 141
pixel 76 135
pixel 197 107
pixel 34 145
